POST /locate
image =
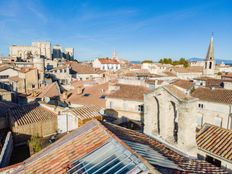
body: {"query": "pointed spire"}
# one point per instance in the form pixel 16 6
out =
pixel 210 53
pixel 114 56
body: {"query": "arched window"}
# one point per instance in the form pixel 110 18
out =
pixel 210 65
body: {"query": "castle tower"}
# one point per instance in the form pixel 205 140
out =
pixel 209 60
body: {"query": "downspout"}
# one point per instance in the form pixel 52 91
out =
pixel 229 120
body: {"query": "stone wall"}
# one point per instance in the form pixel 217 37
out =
pixel 41 129
pixel 171 119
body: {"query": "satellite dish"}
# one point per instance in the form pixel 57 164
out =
pixel 47 99
pixel 102 111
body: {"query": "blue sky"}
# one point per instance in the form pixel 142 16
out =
pixel 137 29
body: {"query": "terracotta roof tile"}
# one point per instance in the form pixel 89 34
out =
pixel 185 84
pixel 61 155
pixel 177 93
pixel 216 140
pixel 108 61
pixel 84 69
pixel 188 165
pixel 31 113
pixel 86 112
pixel 91 95
pixel 213 95
pixel 130 92
pixel 191 69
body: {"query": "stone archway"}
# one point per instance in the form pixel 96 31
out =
pixel 175 122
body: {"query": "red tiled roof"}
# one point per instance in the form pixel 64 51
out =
pixel 188 165
pixel 185 84
pixel 58 157
pixel 177 93
pixel 215 140
pixel 108 61
pixel 130 92
pixel 51 90
pixel 213 95
pixel 95 91
pixel 86 112
pixel 84 69
pixel 31 113
pixel 191 69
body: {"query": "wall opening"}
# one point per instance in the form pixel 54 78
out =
pixel 175 123
pixel 158 115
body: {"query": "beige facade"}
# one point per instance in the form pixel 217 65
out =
pixel 171 117
pixel 30 77
pixel 217 114
pixel 45 48
pixel 124 110
pixel 37 49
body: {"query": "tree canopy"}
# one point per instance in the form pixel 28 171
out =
pixel 181 61
pixel 147 61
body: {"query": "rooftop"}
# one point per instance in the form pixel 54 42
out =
pixel 213 95
pixel 86 112
pixel 185 84
pixel 130 92
pixel 108 61
pixel 84 68
pixel 177 93
pixel 191 69
pixel 30 113
pixel 164 159
pixel 91 148
pixel 94 98
pixel 216 140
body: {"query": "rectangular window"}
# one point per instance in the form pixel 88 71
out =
pixel 4 77
pixel 111 104
pixel 140 108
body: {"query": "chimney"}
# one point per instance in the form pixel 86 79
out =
pixel 65 95
pixel 79 90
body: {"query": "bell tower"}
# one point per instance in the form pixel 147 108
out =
pixel 209 66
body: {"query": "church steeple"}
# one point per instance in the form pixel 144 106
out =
pixel 114 56
pixel 210 53
pixel 209 60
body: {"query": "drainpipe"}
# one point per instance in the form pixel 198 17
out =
pixel 229 115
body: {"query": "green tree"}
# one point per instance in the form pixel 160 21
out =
pixel 147 61
pixel 35 144
pixel 181 61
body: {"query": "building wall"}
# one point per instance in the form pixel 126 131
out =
pixel 22 51
pixel 87 76
pixel 67 122
pixel 6 96
pixel 45 48
pixel 62 75
pixel 124 109
pixel 188 75
pixel 208 112
pixel 31 79
pixel 8 73
pixel 165 115
pixel 41 129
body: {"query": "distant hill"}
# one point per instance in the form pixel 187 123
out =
pixel 218 61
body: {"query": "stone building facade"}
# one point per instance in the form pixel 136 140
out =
pixel 170 115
